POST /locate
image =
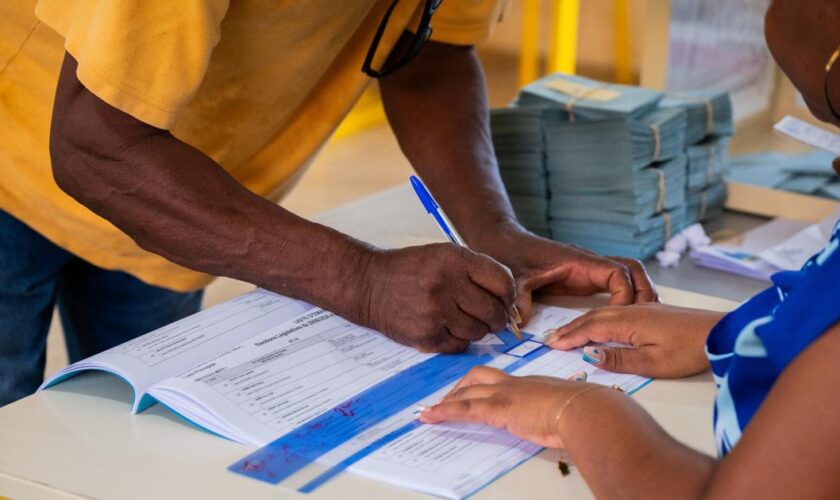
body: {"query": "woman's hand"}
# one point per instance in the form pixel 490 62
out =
pixel 526 406
pixel 666 341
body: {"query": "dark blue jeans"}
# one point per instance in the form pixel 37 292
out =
pixel 98 308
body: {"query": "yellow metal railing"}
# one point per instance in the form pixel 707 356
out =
pixel 561 54
pixel 529 47
pixel 621 39
pixel 563 39
pixel 562 51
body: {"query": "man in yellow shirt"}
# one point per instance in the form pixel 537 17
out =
pixel 176 126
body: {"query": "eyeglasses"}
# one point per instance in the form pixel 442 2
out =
pixel 396 61
pixel 828 66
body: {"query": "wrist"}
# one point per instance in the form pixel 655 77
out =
pixel 498 237
pixel 348 294
pixel 326 269
pixel 576 409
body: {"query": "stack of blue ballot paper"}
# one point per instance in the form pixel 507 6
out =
pixel 708 166
pixel 613 165
pixel 809 173
pixel 518 141
pixel 709 124
pixel 709 113
pixel 585 98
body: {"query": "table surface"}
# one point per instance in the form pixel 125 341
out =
pixel 79 439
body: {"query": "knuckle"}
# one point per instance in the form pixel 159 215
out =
pixel 615 358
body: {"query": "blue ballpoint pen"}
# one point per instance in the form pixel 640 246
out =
pixel 443 223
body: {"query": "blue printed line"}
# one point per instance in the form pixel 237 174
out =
pixel 352 459
pixel 295 450
pixel 392 436
pixel 519 363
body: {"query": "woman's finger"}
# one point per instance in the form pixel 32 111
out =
pixel 621 360
pixel 482 411
pixel 475 391
pixel 595 327
pixel 479 375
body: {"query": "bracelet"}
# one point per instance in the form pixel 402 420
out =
pixel 563 463
pixel 574 396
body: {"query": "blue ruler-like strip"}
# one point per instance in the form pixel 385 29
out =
pixel 293 451
pixel 352 459
pixel 401 431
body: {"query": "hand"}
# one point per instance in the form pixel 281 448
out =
pixel 539 264
pixel 526 406
pixel 436 298
pixel 666 341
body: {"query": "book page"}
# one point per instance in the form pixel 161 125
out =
pixel 272 383
pixel 176 347
pixel 454 460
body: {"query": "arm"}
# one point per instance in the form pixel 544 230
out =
pixel 175 201
pixel 789 446
pixel 437 106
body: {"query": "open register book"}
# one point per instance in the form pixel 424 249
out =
pixel 257 367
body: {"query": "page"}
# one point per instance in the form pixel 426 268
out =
pixel 272 383
pixel 455 460
pixel 277 381
pixel 176 347
pixel 792 253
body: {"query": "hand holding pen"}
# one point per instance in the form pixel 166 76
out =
pixel 445 226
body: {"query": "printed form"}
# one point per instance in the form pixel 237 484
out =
pixel 281 379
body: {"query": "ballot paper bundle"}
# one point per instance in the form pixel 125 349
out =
pixel 706 203
pixel 518 141
pixel 618 171
pixel 617 238
pixel 708 113
pixel 809 173
pixel 650 191
pixel 588 99
pixel 708 163
pixel 605 151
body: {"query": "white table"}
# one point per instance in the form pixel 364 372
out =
pixel 80 441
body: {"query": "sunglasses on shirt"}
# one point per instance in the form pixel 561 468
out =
pixel 397 61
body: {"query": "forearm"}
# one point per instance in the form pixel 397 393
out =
pixel 175 201
pixel 623 453
pixel 178 203
pixel 437 106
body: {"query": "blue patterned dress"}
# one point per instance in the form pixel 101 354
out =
pixel 750 347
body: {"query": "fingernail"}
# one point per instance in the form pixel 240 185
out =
pixel 550 336
pixel 514 313
pixel 422 408
pixel 593 355
pixel 579 376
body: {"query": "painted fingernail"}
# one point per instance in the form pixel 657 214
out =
pixel 579 376
pixel 593 355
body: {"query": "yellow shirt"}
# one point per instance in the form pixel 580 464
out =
pixel 258 85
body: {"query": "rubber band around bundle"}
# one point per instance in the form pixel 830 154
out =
pixel 710 109
pixel 657 143
pixel 660 200
pixel 666 217
pixel 571 104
